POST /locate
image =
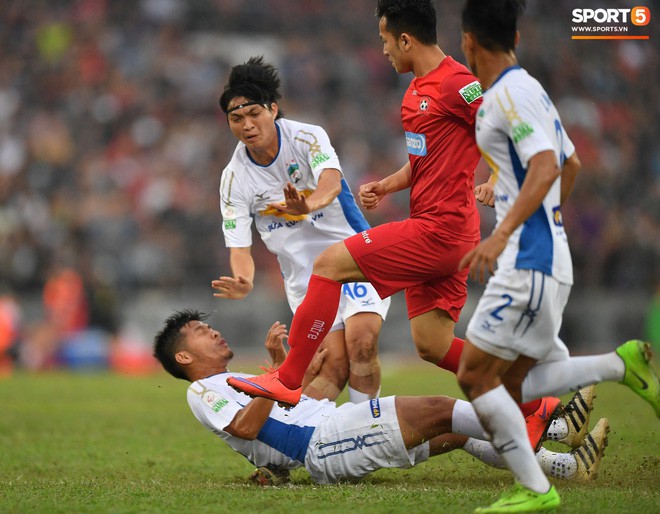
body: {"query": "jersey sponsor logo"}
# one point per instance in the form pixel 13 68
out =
pixel 556 217
pixel 521 131
pixel 316 329
pixel 375 408
pixel 214 401
pixel 294 172
pixel 230 224
pixel 320 159
pixel 365 236
pixel 315 152
pixel 471 92
pixel 416 143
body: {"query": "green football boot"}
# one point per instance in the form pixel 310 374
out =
pixel 640 375
pixel 521 499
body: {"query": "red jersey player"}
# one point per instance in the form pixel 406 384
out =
pixel 420 254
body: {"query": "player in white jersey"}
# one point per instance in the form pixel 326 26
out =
pixel 333 443
pixel 285 177
pixel 513 337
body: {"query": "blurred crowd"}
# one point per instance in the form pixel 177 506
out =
pixel 112 142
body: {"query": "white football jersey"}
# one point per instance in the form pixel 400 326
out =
pixel 284 438
pixel 516 121
pixel 246 189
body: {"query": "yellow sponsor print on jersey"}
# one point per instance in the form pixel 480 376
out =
pixel 520 129
pixel 491 164
pixel 315 151
pixel 272 211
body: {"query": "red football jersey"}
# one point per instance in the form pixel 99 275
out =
pixel 438 113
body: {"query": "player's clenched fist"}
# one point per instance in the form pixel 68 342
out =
pixel 370 194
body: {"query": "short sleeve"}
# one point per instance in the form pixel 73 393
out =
pixel 462 96
pixel 236 219
pixel 214 408
pixel 525 120
pixel 315 144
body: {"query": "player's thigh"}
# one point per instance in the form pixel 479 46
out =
pixel 446 292
pixel 394 255
pixel 337 263
pixel 357 440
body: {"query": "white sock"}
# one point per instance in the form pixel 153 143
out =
pixel 560 377
pixel 557 465
pixel 355 396
pixel 500 415
pixel 485 452
pixel 464 420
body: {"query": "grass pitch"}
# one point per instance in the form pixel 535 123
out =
pixel 77 443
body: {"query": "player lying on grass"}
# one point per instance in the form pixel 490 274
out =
pixel 348 442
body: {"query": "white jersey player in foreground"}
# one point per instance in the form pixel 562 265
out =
pixel 514 331
pixel 286 177
pixel 334 443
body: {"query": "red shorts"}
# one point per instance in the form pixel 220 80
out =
pixel 411 255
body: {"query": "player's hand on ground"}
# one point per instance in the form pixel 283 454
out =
pixel 370 194
pixel 295 202
pixel 232 288
pixel 485 194
pixel 482 259
pixel 275 343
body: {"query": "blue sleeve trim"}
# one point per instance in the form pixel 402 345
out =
pixel 291 440
pixel 352 212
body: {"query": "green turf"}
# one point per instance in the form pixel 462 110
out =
pixel 106 443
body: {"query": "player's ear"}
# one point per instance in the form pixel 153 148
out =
pixel 405 41
pixel 183 357
pixel 274 108
pixel 517 39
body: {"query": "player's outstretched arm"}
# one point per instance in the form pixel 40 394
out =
pixel 240 285
pixel 298 202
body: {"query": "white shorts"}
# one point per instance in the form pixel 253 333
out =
pixel 520 313
pixel 357 440
pixel 356 297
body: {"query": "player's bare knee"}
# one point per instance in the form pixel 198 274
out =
pixel 468 379
pixel 362 348
pixel 428 353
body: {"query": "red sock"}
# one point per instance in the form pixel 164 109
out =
pixel 309 327
pixel 451 360
pixel 530 407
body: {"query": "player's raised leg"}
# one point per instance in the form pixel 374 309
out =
pixel 310 325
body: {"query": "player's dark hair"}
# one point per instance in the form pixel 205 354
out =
pixel 169 340
pixel 414 17
pixel 493 23
pixel 256 81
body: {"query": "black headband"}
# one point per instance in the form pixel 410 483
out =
pixel 244 105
